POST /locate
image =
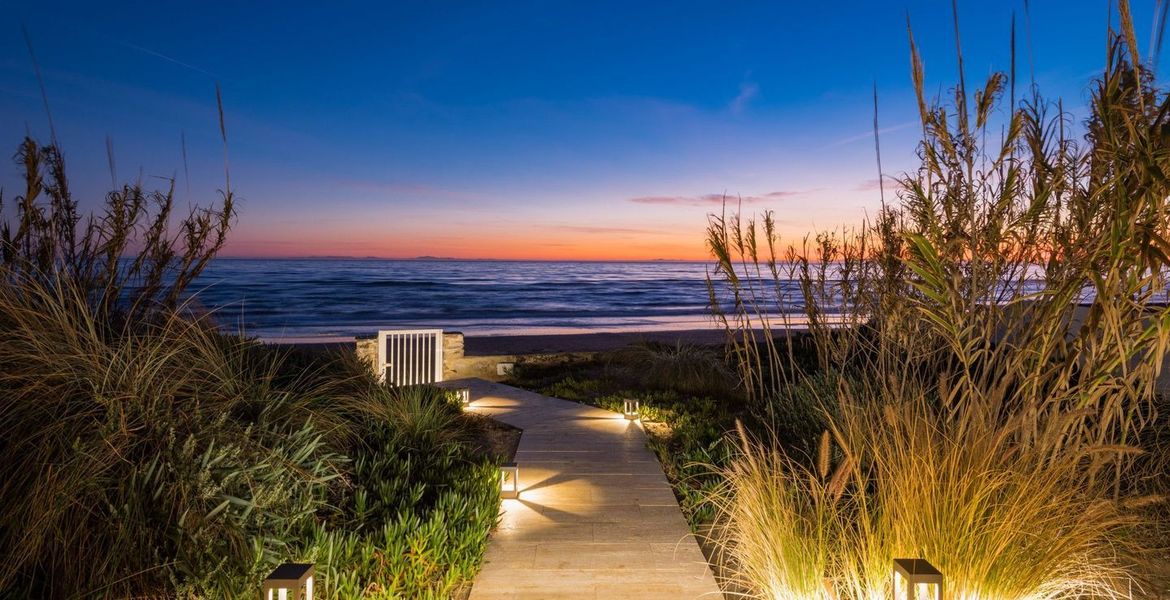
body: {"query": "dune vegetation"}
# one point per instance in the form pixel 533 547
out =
pixel 999 404
pixel 147 454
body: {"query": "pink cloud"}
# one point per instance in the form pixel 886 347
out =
pixel 662 200
pixel 586 229
pixel 715 199
pixel 873 185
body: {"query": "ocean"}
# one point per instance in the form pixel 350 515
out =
pixel 333 299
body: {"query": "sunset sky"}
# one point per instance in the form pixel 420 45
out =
pixel 601 130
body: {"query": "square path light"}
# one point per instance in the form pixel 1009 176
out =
pixel 630 408
pixel 463 394
pixel 916 579
pixel 290 581
pixel 509 481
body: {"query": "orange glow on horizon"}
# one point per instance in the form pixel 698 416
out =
pixel 531 244
pixel 504 245
pixel 606 231
pixel 583 251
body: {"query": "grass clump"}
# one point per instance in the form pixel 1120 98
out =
pixel 1000 520
pixel 686 368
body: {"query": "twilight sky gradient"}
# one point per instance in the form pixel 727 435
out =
pixel 602 130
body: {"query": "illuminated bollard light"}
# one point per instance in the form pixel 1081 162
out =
pixel 296 578
pixel 630 410
pixel 463 394
pixel 916 579
pixel 509 481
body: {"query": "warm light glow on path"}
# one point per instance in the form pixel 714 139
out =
pixel 596 517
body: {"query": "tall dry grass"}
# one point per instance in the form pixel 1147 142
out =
pixel 1000 521
pixel 1007 327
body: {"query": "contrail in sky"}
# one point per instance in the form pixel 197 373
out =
pixel 165 57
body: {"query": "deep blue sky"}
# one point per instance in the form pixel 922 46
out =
pixel 540 130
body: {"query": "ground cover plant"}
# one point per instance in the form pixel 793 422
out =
pixel 147 454
pixel 996 409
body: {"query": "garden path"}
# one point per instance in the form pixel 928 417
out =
pixel 596 517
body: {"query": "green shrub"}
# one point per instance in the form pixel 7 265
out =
pixel 797 415
pixel 417 521
pixel 572 388
pixel 686 368
pixel 423 531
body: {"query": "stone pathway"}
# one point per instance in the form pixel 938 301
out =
pixel 596 517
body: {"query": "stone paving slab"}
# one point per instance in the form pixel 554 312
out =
pixel 596 517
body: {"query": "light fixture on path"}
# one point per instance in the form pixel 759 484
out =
pixel 630 408
pixel 290 581
pixel 463 394
pixel 509 481
pixel 916 579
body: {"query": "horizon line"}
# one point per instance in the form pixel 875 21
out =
pixel 456 258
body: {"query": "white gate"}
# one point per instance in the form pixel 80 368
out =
pixel 410 356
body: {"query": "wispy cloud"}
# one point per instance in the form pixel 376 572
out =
pixel 747 92
pixel 873 185
pixel 869 134
pixel 869 185
pixel 716 199
pixel 601 230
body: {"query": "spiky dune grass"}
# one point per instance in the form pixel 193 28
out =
pixel 1000 520
pixel 982 419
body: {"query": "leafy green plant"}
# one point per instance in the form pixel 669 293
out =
pixel 686 368
pixel 422 505
pixel 797 415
